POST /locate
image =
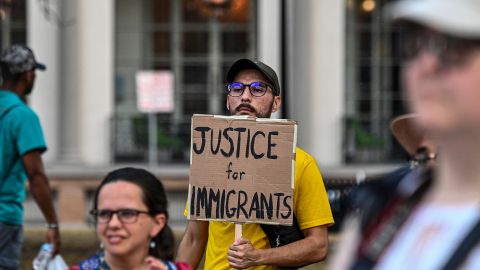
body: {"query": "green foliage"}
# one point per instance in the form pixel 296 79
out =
pixel 165 140
pixel 363 138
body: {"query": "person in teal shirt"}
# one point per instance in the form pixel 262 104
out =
pixel 21 145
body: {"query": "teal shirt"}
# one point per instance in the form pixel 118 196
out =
pixel 20 133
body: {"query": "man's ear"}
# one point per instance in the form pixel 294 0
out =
pixel 277 102
pixel 228 105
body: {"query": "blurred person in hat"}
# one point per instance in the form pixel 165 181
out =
pixel 370 197
pixel 21 146
pixel 432 220
pixel 253 89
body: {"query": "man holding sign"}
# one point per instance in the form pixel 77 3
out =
pixel 254 90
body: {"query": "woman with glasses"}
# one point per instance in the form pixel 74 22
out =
pixel 130 213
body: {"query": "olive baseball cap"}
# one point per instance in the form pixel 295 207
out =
pixel 20 58
pixel 243 64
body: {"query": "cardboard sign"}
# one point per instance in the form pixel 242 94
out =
pixel 242 169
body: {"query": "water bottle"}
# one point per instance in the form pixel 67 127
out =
pixel 41 261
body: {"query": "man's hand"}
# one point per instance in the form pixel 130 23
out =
pixel 53 237
pixel 242 254
pixel 313 248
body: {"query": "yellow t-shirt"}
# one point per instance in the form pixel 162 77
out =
pixel 311 207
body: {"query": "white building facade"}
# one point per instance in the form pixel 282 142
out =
pixel 333 58
pixel 75 98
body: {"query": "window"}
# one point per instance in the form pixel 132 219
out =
pixel 12 23
pixel 183 37
pixel 373 95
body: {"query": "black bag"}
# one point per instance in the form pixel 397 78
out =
pixel 280 235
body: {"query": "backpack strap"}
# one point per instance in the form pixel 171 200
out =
pixel 2 114
pixel 463 250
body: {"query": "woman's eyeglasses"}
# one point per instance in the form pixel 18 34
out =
pixel 257 89
pixel 124 215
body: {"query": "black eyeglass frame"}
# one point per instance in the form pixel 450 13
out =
pixel 95 214
pixel 244 85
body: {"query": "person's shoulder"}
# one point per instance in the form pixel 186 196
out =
pixel 14 105
pixel 9 101
pixel 24 109
pixel 302 156
pixel 7 95
pixel 23 114
pixel 302 153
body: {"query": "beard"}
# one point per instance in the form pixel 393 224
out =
pixel 259 114
pixel 29 88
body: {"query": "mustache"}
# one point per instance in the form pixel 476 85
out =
pixel 245 105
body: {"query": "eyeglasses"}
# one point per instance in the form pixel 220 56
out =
pixel 124 215
pixel 451 51
pixel 257 89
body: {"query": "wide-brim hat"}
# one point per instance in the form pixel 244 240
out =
pixel 266 70
pixel 460 18
pixel 407 133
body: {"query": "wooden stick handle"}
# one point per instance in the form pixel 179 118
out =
pixel 238 231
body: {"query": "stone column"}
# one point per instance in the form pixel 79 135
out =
pixel 69 84
pixel 318 66
pixel 95 59
pixel 268 37
pixel 43 38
